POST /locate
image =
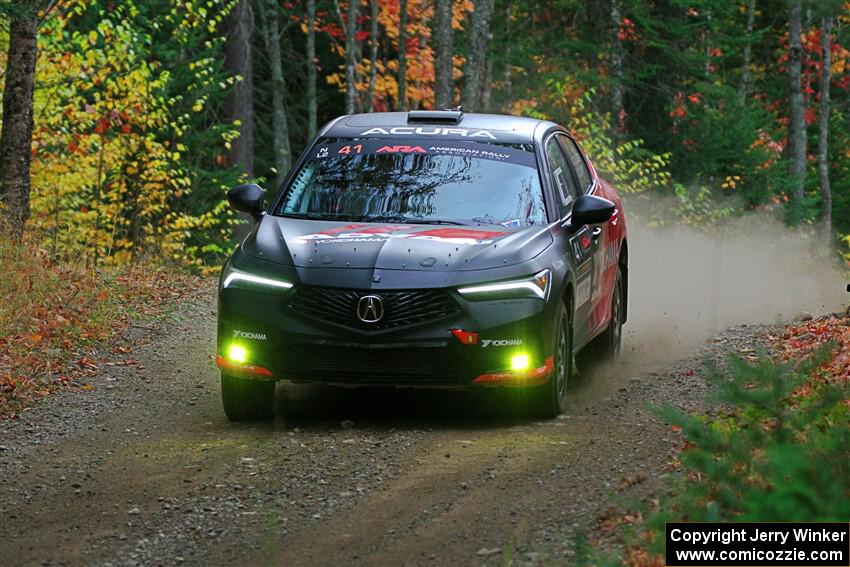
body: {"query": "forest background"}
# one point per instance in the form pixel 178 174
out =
pixel 125 122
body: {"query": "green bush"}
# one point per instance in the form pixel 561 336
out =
pixel 774 454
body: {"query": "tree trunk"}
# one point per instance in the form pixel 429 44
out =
pixel 16 137
pixel 443 35
pixel 617 110
pixel 797 117
pixel 486 90
pixel 271 39
pixel 744 87
pixel 312 105
pixel 707 49
pixel 350 58
pixel 401 103
pixel 240 105
pixel 823 131
pixel 507 78
pixel 476 61
pixel 373 55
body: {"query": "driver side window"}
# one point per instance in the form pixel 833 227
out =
pixel 562 178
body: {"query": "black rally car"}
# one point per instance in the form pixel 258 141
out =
pixel 427 248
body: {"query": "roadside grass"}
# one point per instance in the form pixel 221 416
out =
pixel 775 447
pixel 57 318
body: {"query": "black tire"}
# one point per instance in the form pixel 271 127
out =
pixel 245 399
pixel 551 398
pixel 612 338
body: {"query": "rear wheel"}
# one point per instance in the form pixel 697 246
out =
pixel 613 337
pixel 551 398
pixel 245 399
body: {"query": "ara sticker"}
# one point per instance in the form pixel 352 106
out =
pixel 401 150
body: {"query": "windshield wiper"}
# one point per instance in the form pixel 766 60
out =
pixel 369 218
pixel 316 216
pixel 407 220
pixel 434 221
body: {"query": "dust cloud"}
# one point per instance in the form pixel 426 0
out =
pixel 686 286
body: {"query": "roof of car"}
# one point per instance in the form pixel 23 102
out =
pixel 453 125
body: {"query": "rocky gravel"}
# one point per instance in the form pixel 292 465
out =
pixel 144 469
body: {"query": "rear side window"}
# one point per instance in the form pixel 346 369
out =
pixel 559 168
pixel 577 161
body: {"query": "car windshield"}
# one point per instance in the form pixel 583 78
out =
pixel 418 181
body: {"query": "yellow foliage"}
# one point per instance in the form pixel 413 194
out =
pixel 108 166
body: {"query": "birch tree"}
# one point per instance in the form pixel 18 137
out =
pixel 312 104
pixel 823 130
pixel 797 118
pixel 476 62
pixel 373 53
pixel 16 136
pixel 401 102
pixel 271 40
pixel 240 100
pixel 744 87
pixel 444 51
pixel 350 58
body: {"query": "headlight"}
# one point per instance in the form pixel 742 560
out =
pixel 236 278
pixel 536 286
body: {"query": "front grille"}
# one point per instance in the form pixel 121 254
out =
pixel 402 308
pixel 364 364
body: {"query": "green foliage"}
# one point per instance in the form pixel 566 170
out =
pixel 719 139
pixel 625 163
pixel 128 144
pixel 699 206
pixel 775 456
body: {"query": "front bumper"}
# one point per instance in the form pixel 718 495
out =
pixel 283 341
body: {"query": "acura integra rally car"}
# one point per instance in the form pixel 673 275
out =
pixel 424 249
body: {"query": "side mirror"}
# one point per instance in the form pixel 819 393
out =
pixel 247 199
pixel 590 209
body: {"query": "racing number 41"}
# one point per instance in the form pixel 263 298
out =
pixel 347 149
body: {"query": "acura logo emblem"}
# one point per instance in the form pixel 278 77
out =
pixel 370 309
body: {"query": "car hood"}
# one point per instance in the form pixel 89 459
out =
pixel 391 246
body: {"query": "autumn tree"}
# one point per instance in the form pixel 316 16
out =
pixel 16 137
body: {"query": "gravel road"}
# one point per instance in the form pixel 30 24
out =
pixel 144 469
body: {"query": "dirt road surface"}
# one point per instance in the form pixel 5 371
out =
pixel 144 468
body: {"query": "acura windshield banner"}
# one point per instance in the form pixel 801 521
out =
pixel 758 544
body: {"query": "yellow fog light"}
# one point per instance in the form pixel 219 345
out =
pixel 519 362
pixel 237 354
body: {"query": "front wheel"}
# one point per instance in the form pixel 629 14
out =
pixel 552 397
pixel 245 399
